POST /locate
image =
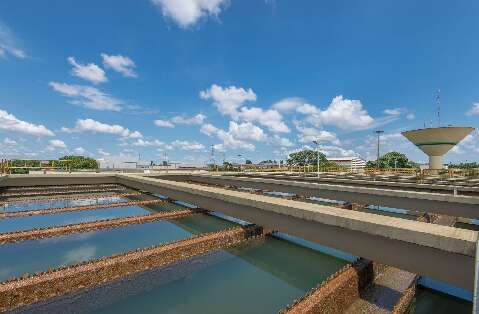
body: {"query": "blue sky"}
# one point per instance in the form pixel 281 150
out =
pixel 114 79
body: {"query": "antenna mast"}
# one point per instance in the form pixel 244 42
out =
pixel 438 103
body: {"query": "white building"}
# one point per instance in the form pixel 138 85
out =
pixel 352 163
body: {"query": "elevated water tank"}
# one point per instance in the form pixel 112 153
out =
pixel 436 142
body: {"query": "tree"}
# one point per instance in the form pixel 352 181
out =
pixel 308 157
pixel 248 162
pixel 81 162
pixel 392 160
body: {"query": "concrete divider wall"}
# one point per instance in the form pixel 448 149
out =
pixel 337 293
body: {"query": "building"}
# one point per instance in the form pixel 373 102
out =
pixel 351 163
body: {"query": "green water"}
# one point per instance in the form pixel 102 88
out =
pixel 39 255
pixel 60 219
pixel 261 277
pixel 431 301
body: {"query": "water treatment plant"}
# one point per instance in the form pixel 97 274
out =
pixel 257 243
pixel 239 157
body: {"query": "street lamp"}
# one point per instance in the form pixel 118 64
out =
pixel 241 165
pixel 378 132
pixel 317 150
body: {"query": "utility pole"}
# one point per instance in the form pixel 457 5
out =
pixel 317 151
pixel 378 132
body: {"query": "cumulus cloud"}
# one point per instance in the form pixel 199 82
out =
pixel 474 110
pixel 281 141
pixel 79 150
pixel 10 123
pixel 208 129
pixel 346 114
pixel 188 12
pixel 145 143
pixel 246 131
pixel 57 144
pixel 187 145
pixel 270 118
pixel 8 44
pixel 195 120
pixel 87 96
pixel 9 142
pixel 343 113
pixel 121 64
pixel 227 100
pixel 230 100
pixel 288 104
pixel 198 119
pixel 93 126
pixel 164 123
pixel 310 134
pixel 90 72
pixel 236 135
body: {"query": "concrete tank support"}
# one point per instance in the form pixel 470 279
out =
pixel 435 162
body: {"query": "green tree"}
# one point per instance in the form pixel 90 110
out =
pixel 81 162
pixel 248 162
pixel 392 160
pixel 308 157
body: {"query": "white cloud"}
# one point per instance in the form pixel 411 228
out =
pixel 90 72
pixel 346 114
pixel 246 131
pixel 208 129
pixel 119 63
pixel 281 141
pixel 144 143
pixel 270 118
pixel 8 44
pixel 9 142
pixel 393 111
pixel 187 12
pixel 195 120
pixel 228 99
pixel 336 151
pixel 410 116
pixel 92 126
pixel 57 144
pixel 186 145
pixel 288 104
pixel 474 110
pixel 79 150
pixel 10 123
pixel 310 134
pixel 164 123
pixel 198 119
pixel 228 137
pixel 87 96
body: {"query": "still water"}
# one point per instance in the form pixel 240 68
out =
pixel 258 277
pixel 59 203
pixel 60 219
pixel 432 301
pixel 39 255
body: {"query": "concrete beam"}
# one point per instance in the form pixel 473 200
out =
pixel 368 182
pixel 443 253
pixel 446 204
